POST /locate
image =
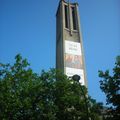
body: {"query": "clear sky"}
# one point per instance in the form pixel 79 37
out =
pixel 29 27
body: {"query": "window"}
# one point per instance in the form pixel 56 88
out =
pixel 74 18
pixel 66 16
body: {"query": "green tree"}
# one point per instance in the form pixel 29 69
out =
pixel 95 109
pixel 26 95
pixel 110 85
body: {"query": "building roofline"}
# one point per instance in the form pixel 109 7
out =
pixel 75 3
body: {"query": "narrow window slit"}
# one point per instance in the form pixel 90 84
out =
pixel 74 20
pixel 66 16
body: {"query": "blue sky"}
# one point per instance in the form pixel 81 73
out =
pixel 29 27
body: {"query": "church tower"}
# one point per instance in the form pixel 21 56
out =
pixel 69 47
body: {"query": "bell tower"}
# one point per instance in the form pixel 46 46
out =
pixel 69 47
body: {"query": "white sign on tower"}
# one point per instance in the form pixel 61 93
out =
pixel 73 60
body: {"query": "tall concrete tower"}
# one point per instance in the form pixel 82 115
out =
pixel 69 47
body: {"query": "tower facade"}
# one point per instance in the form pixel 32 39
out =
pixel 69 47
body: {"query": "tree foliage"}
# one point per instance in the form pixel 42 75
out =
pixel 110 85
pixel 26 95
